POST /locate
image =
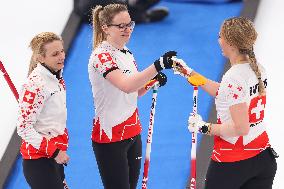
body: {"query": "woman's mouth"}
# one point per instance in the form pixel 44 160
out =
pixel 125 35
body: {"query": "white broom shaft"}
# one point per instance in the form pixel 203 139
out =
pixel 149 137
pixel 193 143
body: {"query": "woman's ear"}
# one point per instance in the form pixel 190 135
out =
pixel 105 29
pixel 234 49
pixel 39 58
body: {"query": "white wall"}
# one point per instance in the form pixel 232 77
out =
pixel 269 51
pixel 19 22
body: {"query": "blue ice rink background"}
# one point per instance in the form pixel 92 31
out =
pixel 192 31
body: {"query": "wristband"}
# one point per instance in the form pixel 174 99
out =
pixel 158 66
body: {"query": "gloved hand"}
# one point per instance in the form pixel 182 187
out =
pixel 160 77
pixel 197 125
pixel 180 67
pixel 165 61
pixel 197 80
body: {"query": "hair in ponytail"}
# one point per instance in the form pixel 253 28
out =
pixel 104 16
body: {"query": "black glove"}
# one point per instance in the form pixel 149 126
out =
pixel 165 62
pixel 162 78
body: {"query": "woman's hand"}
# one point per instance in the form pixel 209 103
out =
pixel 62 157
pixel 180 67
pixel 197 125
pixel 165 61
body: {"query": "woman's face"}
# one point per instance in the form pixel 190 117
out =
pixel 225 47
pixel 54 55
pixel 120 29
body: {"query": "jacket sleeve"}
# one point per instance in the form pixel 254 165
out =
pixel 31 102
pixel 104 63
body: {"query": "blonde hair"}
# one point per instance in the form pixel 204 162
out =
pixel 104 16
pixel 240 33
pixel 37 45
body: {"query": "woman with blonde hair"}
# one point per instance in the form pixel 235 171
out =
pixel 42 115
pixel 242 157
pixel 116 85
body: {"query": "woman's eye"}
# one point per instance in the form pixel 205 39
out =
pixel 55 54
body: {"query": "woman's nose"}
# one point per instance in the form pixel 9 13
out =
pixel 62 55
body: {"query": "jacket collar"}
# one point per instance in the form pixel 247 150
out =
pixel 49 72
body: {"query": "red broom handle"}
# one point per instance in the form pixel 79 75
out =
pixel 9 81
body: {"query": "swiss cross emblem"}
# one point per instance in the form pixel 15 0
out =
pixel 29 97
pixel 256 109
pixel 104 57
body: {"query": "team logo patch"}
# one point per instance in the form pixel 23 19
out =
pixel 105 63
pixel 256 109
pixel 104 57
pixel 29 97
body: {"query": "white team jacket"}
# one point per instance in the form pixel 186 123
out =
pixel 42 115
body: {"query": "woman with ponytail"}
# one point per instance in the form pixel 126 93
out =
pixel 116 85
pixel 42 115
pixel 242 157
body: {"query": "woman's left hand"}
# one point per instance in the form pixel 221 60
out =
pixel 197 125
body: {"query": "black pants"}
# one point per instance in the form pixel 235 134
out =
pixel 119 162
pixel 43 173
pixel 254 173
